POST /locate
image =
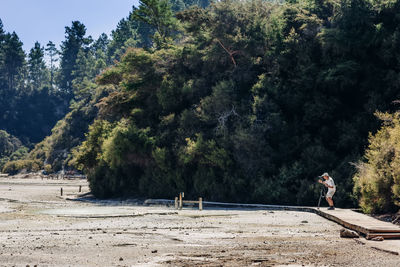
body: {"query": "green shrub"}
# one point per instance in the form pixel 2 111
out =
pixel 20 153
pixel 13 167
pixel 8 144
pixel 377 181
pixel 11 148
pixel 48 168
pixel 3 161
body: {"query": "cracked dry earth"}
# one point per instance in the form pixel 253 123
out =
pixel 39 228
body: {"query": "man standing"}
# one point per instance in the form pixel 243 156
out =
pixel 330 184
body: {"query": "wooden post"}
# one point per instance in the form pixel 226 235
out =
pixel 61 191
pixel 80 188
pixel 176 203
pixel 180 201
pixel 200 203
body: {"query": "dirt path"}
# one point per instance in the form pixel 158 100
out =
pixel 39 228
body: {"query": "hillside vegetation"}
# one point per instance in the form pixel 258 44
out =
pixel 242 101
pixel 249 102
pixel 49 107
pixel 377 181
pixel 11 148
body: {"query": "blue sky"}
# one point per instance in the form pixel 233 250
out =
pixel 45 20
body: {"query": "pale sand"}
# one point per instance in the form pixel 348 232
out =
pixel 40 228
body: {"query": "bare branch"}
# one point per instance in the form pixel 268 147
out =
pixel 223 118
pixel 230 53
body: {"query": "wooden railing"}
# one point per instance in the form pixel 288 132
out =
pixel 179 201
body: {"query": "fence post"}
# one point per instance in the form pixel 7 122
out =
pixel 176 203
pixel 61 191
pixel 180 201
pixel 80 188
pixel 200 203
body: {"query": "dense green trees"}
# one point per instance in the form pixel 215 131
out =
pixel 376 181
pixel 13 60
pixel 158 15
pixel 52 52
pixel 33 96
pixel 28 107
pixel 254 102
pixel 75 41
pixel 38 72
pixel 90 61
pixel 11 148
pixel 241 101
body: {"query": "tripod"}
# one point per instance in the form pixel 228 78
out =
pixel 322 194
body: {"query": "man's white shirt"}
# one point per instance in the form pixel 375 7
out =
pixel 330 182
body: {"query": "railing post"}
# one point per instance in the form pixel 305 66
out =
pixel 180 201
pixel 176 203
pixel 200 203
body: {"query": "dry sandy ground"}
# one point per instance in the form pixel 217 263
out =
pixel 39 228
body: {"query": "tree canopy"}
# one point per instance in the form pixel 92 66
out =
pixel 237 101
pixel 250 103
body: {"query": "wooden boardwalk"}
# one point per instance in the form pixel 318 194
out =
pixel 361 223
pixel 364 224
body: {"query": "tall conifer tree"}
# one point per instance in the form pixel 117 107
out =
pixel 52 52
pixel 74 41
pixel 38 73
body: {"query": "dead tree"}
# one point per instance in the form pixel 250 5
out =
pixel 229 51
pixel 223 118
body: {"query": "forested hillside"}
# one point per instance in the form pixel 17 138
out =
pixel 249 102
pixel 239 101
pixel 36 96
pixel 29 103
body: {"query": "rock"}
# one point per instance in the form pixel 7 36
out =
pixel 346 233
pixel 154 251
pixel 378 238
pixel 304 221
pixel 121 259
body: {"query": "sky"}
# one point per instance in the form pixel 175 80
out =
pixel 45 20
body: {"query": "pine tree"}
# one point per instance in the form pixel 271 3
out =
pixel 127 29
pixel 2 33
pixel 158 14
pixel 83 74
pixel 100 45
pixel 2 71
pixel 52 52
pixel 75 40
pixel 99 49
pixel 38 73
pixel 13 59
